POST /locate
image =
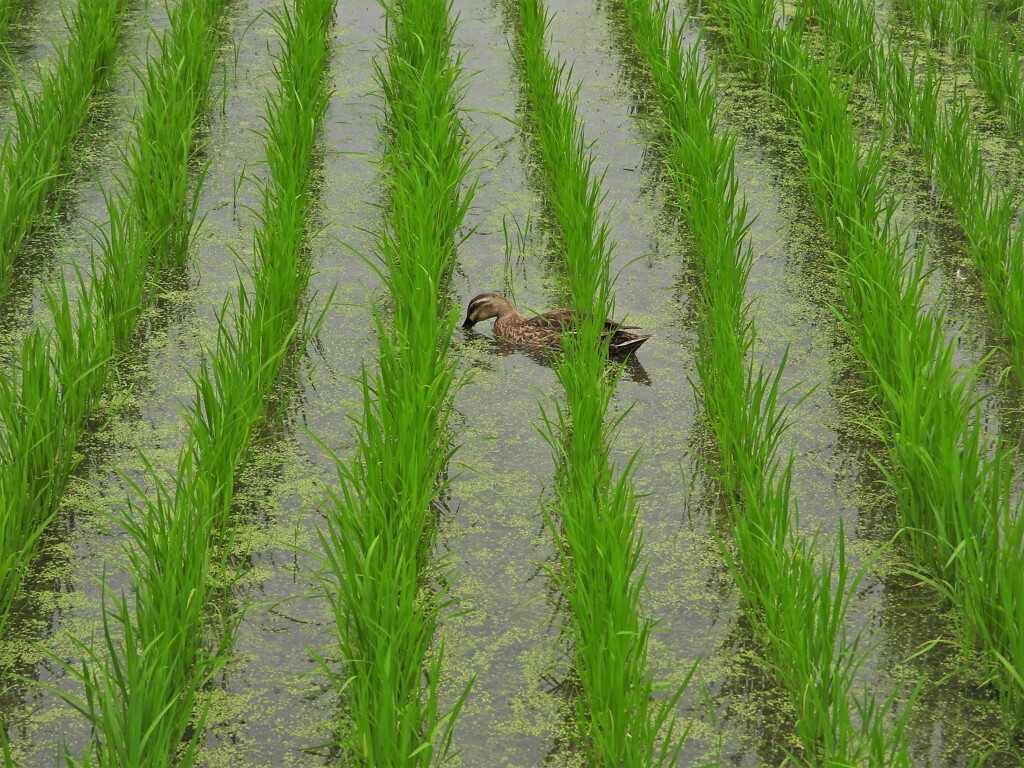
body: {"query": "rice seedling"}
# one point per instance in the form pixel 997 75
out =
pixel 952 151
pixel 795 600
pixel 88 334
pixel 154 674
pixel 1008 10
pixel 593 517
pixel 993 52
pixel 945 21
pixel 30 458
pixel 996 60
pixel 36 155
pixel 952 479
pixel 45 402
pixel 987 215
pixel 385 591
pixel 159 161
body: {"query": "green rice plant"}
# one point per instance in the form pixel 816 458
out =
pixel 29 404
pixel 87 335
pixel 386 592
pixel 987 595
pixel 988 216
pixel 952 479
pixel 377 547
pixel 996 60
pixel 751 33
pixel 51 398
pixel 994 53
pixel 850 26
pixel 44 403
pixel 36 155
pixel 795 601
pixel 953 153
pixel 947 21
pixel 593 517
pixel 141 688
pixel 1008 10
pixel 141 694
pixel 121 290
pixel 159 161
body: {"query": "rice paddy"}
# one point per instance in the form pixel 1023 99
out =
pixel 266 503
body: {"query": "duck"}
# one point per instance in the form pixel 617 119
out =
pixel 545 330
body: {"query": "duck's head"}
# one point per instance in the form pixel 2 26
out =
pixel 484 307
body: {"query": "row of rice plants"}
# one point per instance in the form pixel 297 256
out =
pixel 594 515
pixel 141 693
pixel 162 189
pixel 952 150
pixel 47 397
pixel 386 591
pixel 795 600
pixel 994 54
pixel 953 481
pixel 36 153
pixel 1010 10
pixel 988 216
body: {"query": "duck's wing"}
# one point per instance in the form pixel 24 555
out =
pixel 560 319
pixel 568 319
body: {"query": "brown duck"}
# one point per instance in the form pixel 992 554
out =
pixel 544 330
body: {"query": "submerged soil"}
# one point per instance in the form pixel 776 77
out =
pixel 274 704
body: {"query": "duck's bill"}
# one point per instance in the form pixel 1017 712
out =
pixel 468 324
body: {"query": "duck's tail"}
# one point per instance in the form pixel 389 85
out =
pixel 623 344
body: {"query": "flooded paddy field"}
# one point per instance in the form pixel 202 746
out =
pixel 270 673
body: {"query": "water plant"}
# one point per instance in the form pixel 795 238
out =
pixel 795 599
pixel 386 591
pixel 593 516
pixel 952 479
pixel 36 154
